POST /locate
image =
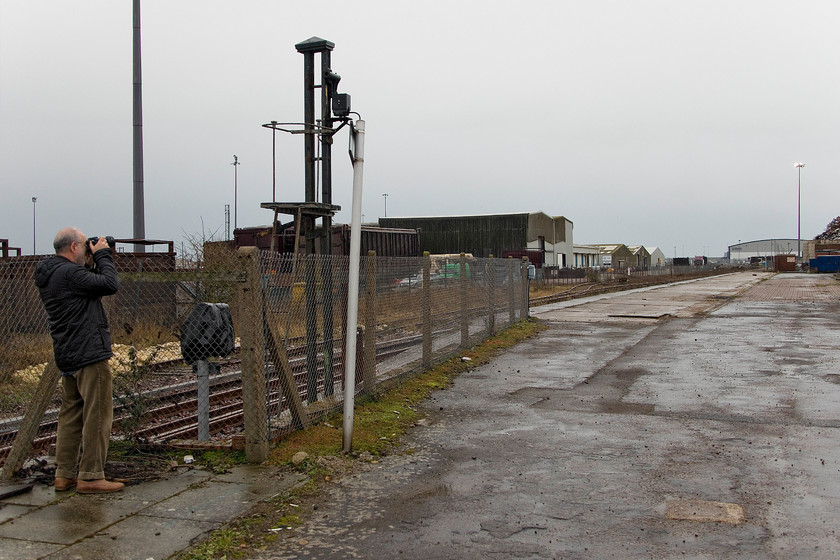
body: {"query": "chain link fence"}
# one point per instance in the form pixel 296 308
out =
pixel 182 375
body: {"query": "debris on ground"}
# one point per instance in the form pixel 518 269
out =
pixel 142 465
pixel 832 231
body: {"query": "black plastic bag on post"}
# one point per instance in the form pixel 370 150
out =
pixel 207 331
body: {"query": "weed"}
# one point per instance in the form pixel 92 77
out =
pixel 220 461
pixel 379 423
pixel 128 392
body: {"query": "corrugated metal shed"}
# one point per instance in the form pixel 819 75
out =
pixel 488 234
pixel 479 235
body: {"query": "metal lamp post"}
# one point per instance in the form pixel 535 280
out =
pixel 385 196
pixel 799 167
pixel 34 200
pixel 235 164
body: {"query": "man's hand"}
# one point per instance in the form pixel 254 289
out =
pixel 101 243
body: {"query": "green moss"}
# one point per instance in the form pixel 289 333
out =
pixel 220 461
pixel 379 423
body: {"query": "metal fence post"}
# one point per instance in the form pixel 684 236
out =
pixel 31 421
pixel 252 350
pixel 427 310
pixel 465 319
pixel 360 356
pixel 491 302
pixel 311 295
pixel 329 327
pixel 369 368
pixel 203 399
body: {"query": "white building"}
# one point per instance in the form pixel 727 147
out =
pixel 762 248
pixel 657 257
pixel 586 256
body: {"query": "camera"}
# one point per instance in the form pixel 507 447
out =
pixel 110 240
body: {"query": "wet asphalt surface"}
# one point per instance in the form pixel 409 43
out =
pixel 582 442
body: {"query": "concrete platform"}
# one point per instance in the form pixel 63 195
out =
pixel 708 433
pixel 149 520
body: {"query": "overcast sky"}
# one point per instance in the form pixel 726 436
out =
pixel 667 123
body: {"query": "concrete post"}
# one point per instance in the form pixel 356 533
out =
pixel 252 351
pixel 525 285
pixel 511 291
pixel 491 293
pixel 465 319
pixel 427 310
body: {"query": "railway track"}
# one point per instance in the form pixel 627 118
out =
pixel 170 411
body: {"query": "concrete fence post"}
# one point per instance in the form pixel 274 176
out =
pixel 465 319
pixel 511 290
pixel 491 292
pixel 525 285
pixel 252 351
pixel 427 309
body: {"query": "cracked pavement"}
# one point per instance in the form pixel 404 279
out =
pixel 575 444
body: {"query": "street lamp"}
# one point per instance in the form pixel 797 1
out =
pixel 235 164
pixel 385 196
pixel 799 167
pixel 34 200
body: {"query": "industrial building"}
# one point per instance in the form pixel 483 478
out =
pixel 493 234
pixel 762 248
pixel 610 255
pixel 641 256
pixel 586 256
pixel 657 257
pixel 815 248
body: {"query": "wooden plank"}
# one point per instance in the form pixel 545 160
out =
pixel 28 429
pixel 9 490
pixel 280 357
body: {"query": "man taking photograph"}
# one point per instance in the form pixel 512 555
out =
pixel 72 295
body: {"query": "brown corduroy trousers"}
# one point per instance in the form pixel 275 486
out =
pixel 84 423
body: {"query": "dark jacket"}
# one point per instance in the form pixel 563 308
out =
pixel 72 297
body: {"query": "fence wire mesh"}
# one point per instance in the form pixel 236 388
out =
pixel 413 312
pixel 181 376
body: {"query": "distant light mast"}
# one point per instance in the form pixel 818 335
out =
pixel 235 164
pixel 799 167
pixel 139 205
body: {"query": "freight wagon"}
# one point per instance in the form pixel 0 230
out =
pixel 386 242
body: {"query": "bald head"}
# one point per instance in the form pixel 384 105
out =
pixel 65 237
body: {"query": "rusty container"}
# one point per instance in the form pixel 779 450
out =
pixel 785 263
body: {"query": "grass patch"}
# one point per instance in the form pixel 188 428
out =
pixel 379 423
pixel 220 461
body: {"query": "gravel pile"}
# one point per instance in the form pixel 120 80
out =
pixel 832 231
